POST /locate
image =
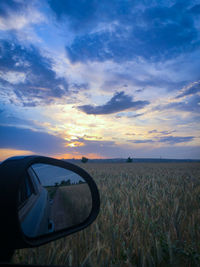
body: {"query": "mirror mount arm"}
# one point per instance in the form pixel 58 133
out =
pixel 6 254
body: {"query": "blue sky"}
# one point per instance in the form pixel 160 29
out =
pixel 101 79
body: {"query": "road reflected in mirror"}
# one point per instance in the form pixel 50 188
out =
pixel 52 198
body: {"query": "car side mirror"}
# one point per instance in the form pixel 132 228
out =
pixel 43 199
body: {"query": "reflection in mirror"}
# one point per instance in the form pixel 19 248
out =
pixel 52 198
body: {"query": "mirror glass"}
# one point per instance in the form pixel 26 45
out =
pixel 52 198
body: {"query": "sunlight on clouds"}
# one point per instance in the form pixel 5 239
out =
pixel 75 144
pixel 72 124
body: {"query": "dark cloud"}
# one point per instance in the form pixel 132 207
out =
pixel 8 119
pixel 167 132
pixel 120 115
pixel 190 90
pixel 154 32
pixel 165 139
pixel 189 105
pixel 136 115
pixel 176 139
pixel 26 139
pixel 77 11
pixel 153 131
pixel 161 132
pixel 85 15
pixel 40 83
pixel 140 90
pixel 12 118
pixel 7 6
pixel 155 44
pixel 118 102
pixel 195 9
pixel 142 141
pixel 79 86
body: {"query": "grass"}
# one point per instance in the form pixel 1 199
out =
pixel 150 216
pixel 51 190
pixel 77 201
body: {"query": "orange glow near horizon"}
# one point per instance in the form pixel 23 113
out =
pixel 7 153
pixel 79 156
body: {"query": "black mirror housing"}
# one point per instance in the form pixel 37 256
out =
pixel 13 172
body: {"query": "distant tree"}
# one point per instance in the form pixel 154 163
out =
pixel 62 182
pixel 68 182
pixel 56 184
pixel 129 159
pixel 84 159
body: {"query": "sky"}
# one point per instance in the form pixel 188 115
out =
pixel 101 79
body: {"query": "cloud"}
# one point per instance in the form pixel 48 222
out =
pixel 38 82
pixel 119 102
pixel 120 115
pixel 26 139
pixel 190 105
pixel 124 151
pixel 139 90
pixel 79 86
pixel 39 142
pixel 153 131
pixel 16 14
pixel 48 144
pixel 76 11
pixel 165 139
pixel 153 78
pixel 195 10
pixel 11 120
pixel 142 141
pixel 174 152
pixel 176 139
pixel 11 6
pixel 97 147
pixel 155 32
pixel 157 79
pixel 191 89
pixel 161 132
pixel 88 137
pixel 110 149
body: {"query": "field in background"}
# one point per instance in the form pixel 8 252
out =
pixel 150 216
pixel 71 205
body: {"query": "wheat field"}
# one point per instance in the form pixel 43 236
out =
pixel 150 216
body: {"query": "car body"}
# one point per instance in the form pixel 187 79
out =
pixel 34 206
